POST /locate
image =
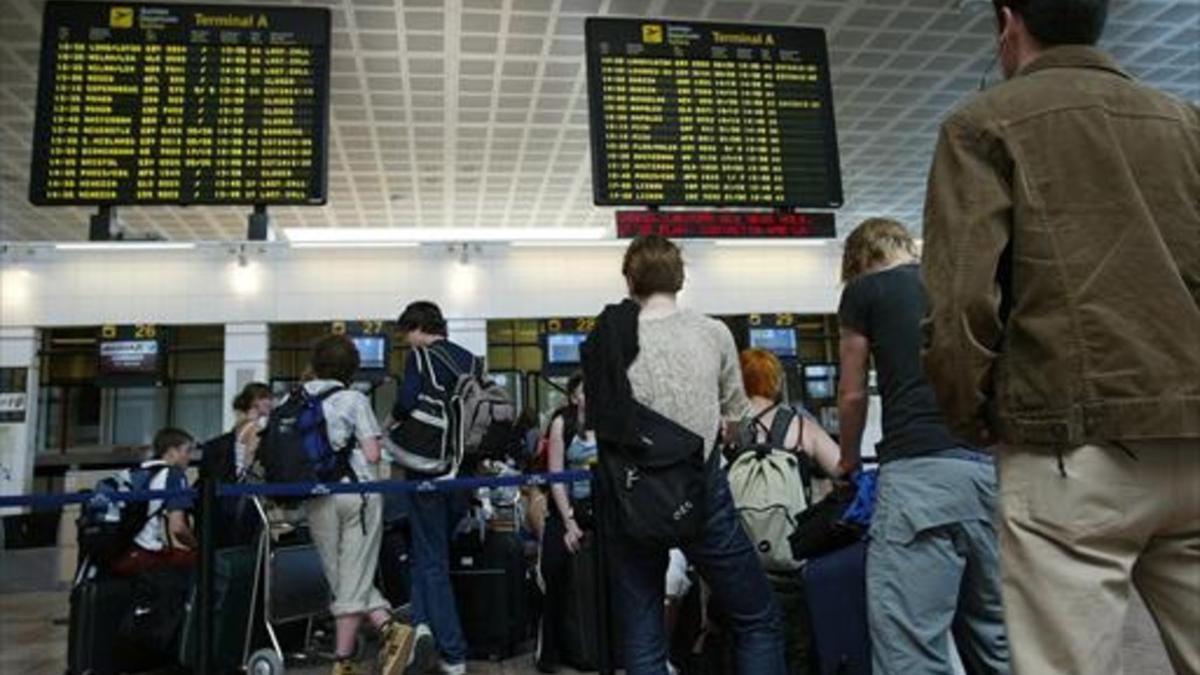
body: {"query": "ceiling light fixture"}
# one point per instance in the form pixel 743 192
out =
pixel 599 243
pixel 772 243
pixel 127 246
pixel 448 235
pixel 355 244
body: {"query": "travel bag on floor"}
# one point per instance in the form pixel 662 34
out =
pixel 394 572
pixel 489 579
pixel 835 585
pixel 580 632
pixel 233 586
pixel 93 644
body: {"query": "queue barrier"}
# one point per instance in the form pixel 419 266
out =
pixel 42 502
pixel 212 491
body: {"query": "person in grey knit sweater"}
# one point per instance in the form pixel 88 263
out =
pixel 687 370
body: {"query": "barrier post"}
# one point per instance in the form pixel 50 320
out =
pixel 208 511
pixel 600 550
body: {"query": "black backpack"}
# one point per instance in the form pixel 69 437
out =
pixel 295 446
pixel 106 526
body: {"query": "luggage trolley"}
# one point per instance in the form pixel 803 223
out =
pixel 290 583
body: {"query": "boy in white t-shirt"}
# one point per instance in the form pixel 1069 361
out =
pixel 346 528
pixel 166 540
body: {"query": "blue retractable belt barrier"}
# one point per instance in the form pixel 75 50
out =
pixel 49 501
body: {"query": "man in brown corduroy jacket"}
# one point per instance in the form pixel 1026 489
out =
pixel 1062 263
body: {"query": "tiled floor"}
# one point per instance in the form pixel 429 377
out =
pixel 33 641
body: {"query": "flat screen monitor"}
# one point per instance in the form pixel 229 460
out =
pixel 819 389
pixel 562 349
pixel 372 351
pixel 171 103
pixel 820 381
pixel 820 371
pixel 779 341
pixel 130 357
pixel 685 113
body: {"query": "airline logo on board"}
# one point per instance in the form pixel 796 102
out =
pixel 120 17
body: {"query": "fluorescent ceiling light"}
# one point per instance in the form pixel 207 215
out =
pixel 598 243
pixel 127 246
pixel 355 244
pixel 444 234
pixel 772 243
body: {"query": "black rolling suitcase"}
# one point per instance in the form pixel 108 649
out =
pixel 233 587
pixel 835 587
pixel 489 580
pixel 580 634
pixel 394 571
pixel 94 642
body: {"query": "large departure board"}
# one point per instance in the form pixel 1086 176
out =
pixel 181 104
pixel 702 114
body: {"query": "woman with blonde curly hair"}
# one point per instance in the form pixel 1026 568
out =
pixel 932 560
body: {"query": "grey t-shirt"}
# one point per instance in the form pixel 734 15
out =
pixel 687 370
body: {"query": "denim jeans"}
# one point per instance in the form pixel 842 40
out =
pixel 726 559
pixel 432 518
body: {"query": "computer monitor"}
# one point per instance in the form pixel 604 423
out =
pixel 130 357
pixel 562 349
pixel 372 352
pixel 820 381
pixel 779 341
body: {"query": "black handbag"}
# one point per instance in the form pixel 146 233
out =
pixel 659 483
pixel 822 528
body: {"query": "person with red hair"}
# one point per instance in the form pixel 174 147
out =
pixel 762 374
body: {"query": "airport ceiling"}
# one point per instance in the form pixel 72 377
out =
pixel 474 112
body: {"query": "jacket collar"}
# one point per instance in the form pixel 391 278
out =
pixel 1074 56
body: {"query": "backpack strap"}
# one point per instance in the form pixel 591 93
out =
pixel 152 472
pixel 756 423
pixel 777 434
pixel 443 357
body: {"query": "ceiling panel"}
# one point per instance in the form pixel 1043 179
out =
pixel 473 112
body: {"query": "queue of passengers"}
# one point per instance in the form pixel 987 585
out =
pixel 1049 326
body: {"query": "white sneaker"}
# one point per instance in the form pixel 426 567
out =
pixel 424 652
pixel 452 668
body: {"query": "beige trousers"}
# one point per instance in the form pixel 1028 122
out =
pixel 1082 529
pixel 347 537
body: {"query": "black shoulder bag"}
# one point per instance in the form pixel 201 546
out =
pixel 659 482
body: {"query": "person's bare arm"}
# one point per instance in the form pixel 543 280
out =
pixel 855 352
pixel 371 449
pixel 556 453
pixel 181 530
pixel 555 461
pixel 813 441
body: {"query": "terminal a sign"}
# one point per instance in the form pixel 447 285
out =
pixel 726 224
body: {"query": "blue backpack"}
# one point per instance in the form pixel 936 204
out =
pixel 295 446
pixel 107 526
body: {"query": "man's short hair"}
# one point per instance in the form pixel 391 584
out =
pixel 653 265
pixel 1060 22
pixel 169 437
pixel 424 316
pixel 335 358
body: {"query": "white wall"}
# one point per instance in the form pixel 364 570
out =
pixel 280 284
pixel 18 349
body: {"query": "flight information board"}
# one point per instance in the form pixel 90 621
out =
pixel 701 114
pixel 181 104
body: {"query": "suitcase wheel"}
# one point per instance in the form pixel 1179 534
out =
pixel 264 662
